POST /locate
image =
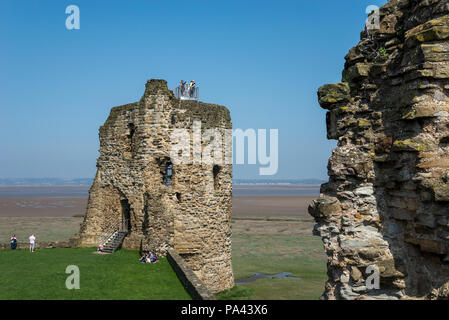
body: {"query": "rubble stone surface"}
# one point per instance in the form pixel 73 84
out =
pixel 386 201
pixel 191 213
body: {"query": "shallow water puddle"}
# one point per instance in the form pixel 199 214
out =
pixel 257 276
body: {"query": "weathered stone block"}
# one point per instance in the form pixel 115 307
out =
pixel 331 94
pixel 434 246
pixel 434 162
pixel 324 207
pixel 416 145
pixel 364 191
pixel 441 192
pixel 442 71
pixel 357 71
pixel 356 274
pixel 421 111
pixel 433 30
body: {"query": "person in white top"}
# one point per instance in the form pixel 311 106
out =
pixel 32 242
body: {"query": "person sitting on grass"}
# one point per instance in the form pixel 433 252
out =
pixel 154 259
pixel 143 258
pixel 100 248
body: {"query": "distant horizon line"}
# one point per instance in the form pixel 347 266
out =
pixel 55 182
pixel 45 178
pixel 83 178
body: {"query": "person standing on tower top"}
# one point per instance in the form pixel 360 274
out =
pixel 182 87
pixel 192 89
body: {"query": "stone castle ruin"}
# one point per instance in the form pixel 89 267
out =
pixel 386 205
pixel 140 193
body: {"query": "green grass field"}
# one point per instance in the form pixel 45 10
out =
pixel 272 247
pixel 41 275
pixel 266 245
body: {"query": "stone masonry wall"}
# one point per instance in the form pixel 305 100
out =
pixel 387 200
pixel 192 215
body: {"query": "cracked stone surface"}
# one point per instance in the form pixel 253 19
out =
pixel 192 215
pixel 386 201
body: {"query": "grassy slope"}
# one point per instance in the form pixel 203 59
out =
pixel 273 247
pixel 41 275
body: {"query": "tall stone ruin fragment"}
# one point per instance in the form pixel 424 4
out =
pixel 188 209
pixel 386 204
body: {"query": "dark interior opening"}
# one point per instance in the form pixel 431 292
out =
pixel 126 215
pixel 216 170
pixel 178 196
pixel 173 118
pixel 444 142
pixel 166 170
pixel 132 130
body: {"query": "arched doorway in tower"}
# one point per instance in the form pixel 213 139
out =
pixel 126 215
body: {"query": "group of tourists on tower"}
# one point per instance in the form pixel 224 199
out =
pixel 187 88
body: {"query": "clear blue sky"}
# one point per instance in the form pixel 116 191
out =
pixel 262 59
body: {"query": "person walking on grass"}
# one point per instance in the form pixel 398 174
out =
pixel 32 242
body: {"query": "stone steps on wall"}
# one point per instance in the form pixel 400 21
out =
pixel 114 242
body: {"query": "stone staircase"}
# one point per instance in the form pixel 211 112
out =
pixel 114 242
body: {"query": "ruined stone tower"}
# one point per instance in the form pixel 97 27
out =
pixel 386 204
pixel 185 206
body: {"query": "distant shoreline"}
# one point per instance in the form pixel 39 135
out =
pixel 87 182
pixel 276 185
pixel 67 201
pixel 43 187
pixel 305 185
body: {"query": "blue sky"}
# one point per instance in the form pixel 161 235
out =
pixel 262 59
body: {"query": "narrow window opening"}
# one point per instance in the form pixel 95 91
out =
pixel 166 169
pixel 132 144
pixel 132 130
pixel 169 174
pixel 178 196
pixel 146 219
pixel 126 215
pixel 173 118
pixel 216 170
